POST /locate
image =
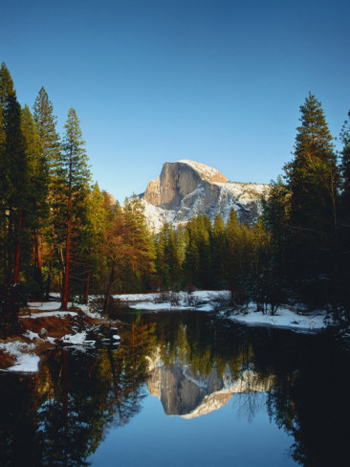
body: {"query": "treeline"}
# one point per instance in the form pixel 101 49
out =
pixel 60 233
pixel 217 256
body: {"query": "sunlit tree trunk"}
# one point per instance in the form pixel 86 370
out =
pixel 65 293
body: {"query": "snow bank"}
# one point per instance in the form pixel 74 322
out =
pixel 201 300
pixel 50 309
pixel 50 314
pixel 47 306
pixel 209 301
pixel 283 318
pixel 200 295
pixel 136 297
pixel 25 362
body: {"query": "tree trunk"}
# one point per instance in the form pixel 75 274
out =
pixel 87 288
pixel 65 293
pixel 37 262
pixel 108 292
pixel 18 248
pixel 40 265
pixel 49 274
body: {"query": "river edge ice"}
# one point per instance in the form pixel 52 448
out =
pixel 26 361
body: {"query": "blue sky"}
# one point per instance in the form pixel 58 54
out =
pixel 219 82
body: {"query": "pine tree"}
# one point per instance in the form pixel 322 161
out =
pixel 174 259
pixel 219 246
pixel 163 265
pixel 312 178
pixel 345 215
pixel 139 239
pixel 191 264
pixel 15 201
pixel 14 175
pixel 205 253
pixel 233 235
pixel 169 257
pixel 92 236
pixel 312 175
pixel 276 209
pixel 240 259
pixel 345 171
pixel 46 123
pixel 3 229
pixel 73 185
pixel 197 263
pixel 36 206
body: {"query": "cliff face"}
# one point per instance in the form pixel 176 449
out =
pixel 179 179
pixel 185 188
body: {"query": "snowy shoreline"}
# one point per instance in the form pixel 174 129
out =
pixel 23 351
pixel 211 301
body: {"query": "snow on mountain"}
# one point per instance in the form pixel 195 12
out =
pixel 186 188
pixel 206 172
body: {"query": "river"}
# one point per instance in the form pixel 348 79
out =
pixel 182 389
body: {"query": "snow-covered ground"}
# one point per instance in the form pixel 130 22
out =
pixel 212 301
pixel 200 295
pixel 25 360
pixel 284 318
pixel 23 353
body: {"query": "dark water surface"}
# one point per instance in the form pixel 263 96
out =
pixel 182 389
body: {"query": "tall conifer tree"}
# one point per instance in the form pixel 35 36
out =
pixel 46 122
pixel 313 179
pixel 36 208
pixel 73 182
pixel 312 175
pixel 219 246
pixel 345 215
pixel 14 175
pixel 345 171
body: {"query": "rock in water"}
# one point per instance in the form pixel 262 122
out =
pixel 43 333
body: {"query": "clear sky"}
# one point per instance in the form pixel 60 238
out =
pixel 216 81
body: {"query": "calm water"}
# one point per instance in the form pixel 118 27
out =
pixel 182 390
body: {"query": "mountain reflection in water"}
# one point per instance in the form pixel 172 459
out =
pixel 190 395
pixel 65 415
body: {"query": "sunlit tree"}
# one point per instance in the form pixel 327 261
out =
pixel 73 185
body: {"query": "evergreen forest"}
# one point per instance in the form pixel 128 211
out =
pixel 59 233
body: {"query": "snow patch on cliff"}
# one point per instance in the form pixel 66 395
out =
pixel 205 171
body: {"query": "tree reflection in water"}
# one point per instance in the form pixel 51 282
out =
pixel 312 404
pixel 60 416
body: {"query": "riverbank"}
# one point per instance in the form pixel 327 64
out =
pixel 286 317
pixel 46 326
pixel 43 327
